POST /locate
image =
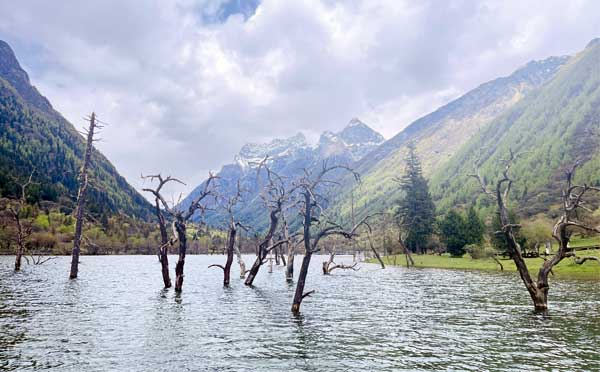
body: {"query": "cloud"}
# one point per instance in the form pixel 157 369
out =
pixel 184 84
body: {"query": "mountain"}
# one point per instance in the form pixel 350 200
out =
pixel 287 157
pixel 441 135
pixel 552 127
pixel 33 136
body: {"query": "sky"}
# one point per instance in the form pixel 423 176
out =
pixel 183 84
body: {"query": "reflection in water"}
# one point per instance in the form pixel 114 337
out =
pixel 373 319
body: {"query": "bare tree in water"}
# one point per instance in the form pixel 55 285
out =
pixel 330 265
pixel 16 209
pixel 180 218
pixel 402 242
pixel 291 243
pixel 165 241
pixel 275 196
pixel 572 204
pixel 315 225
pixel 233 225
pixel 81 194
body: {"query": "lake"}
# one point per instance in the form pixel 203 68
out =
pixel 117 317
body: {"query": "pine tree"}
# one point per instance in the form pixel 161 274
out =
pixel 474 227
pixel 454 233
pixel 416 211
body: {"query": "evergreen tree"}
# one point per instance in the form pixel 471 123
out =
pixel 454 233
pixel 416 209
pixel 474 227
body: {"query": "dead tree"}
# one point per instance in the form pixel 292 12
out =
pixel 233 225
pixel 23 228
pixel 180 218
pixel 240 259
pixel 330 265
pixel 370 240
pixel 291 250
pixel 274 197
pixel 309 203
pixel 165 241
pixel 572 201
pixel 409 260
pixel 81 194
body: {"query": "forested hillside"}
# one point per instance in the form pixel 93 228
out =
pixel 36 138
pixel 552 128
pixel 440 135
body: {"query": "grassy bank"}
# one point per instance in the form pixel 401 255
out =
pixel 567 269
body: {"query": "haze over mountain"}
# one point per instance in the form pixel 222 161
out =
pixel 441 134
pixel 198 79
pixel 34 137
pixel 548 107
pixel 287 157
pixel 544 107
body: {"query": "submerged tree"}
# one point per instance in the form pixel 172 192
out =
pixel 567 223
pixel 274 196
pixel 180 218
pixel 330 264
pixel 416 208
pixel 16 210
pixel 290 244
pixel 315 225
pixel 165 242
pixel 81 194
pixel 230 250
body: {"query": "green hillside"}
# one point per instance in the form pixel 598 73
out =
pixel 441 135
pixel 33 136
pixel 554 126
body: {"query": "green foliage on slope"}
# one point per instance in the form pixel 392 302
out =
pixel 552 128
pixel 439 136
pixel 34 137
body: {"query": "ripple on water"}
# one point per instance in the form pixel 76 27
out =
pixel 116 316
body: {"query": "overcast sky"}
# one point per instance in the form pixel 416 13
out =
pixel 184 84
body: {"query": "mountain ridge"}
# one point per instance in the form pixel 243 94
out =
pixel 35 137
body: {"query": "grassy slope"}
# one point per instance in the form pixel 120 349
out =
pixel 554 126
pixel 440 136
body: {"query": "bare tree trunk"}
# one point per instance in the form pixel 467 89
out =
pixel 498 262
pixel 299 294
pixel 282 256
pixel 262 248
pixel 289 269
pixel 409 260
pixel 230 251
pixel 375 251
pixel 181 236
pixel 83 185
pixel 19 253
pixel 276 252
pixel 240 260
pixel 328 263
pixel 163 251
pixel 21 236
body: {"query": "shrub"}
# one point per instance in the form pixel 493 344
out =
pixel 478 252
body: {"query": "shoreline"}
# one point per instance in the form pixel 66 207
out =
pixel 567 269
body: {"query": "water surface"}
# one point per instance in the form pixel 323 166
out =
pixel 117 317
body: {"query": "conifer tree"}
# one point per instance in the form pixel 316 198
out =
pixel 474 227
pixel 454 233
pixel 416 211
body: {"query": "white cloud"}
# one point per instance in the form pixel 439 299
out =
pixel 185 83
